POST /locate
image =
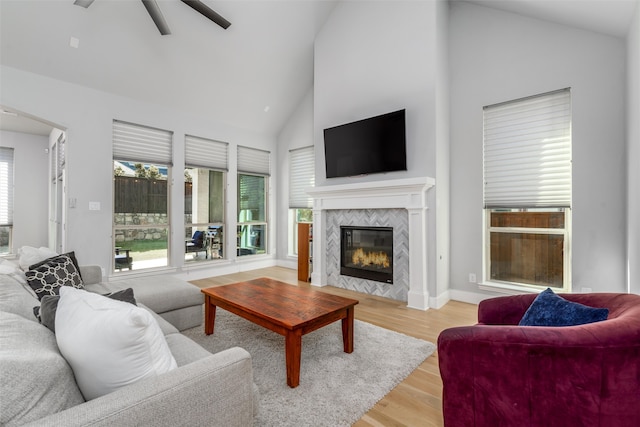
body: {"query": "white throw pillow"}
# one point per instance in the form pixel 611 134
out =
pixel 109 344
pixel 28 255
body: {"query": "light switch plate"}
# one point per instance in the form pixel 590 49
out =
pixel 94 206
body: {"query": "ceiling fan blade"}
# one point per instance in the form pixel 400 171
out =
pixel 83 3
pixel 207 12
pixel 156 15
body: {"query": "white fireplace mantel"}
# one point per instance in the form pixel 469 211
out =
pixel 409 193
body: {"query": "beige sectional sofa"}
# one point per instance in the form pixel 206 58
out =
pixel 38 387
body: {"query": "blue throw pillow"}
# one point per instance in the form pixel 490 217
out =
pixel 549 309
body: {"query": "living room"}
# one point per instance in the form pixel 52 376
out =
pixel 442 62
pixel 432 71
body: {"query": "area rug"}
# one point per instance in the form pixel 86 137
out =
pixel 336 388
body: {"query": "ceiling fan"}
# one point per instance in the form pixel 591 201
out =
pixel 154 11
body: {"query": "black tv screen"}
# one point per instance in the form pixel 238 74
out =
pixel 373 145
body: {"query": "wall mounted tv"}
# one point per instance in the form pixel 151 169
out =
pixel 373 145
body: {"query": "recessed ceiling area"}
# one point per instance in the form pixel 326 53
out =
pixel 612 17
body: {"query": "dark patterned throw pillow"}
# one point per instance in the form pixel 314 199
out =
pixel 47 278
pixel 71 255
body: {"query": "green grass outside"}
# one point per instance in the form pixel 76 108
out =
pixel 144 245
pixel 142 250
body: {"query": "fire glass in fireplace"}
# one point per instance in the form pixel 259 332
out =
pixel 367 253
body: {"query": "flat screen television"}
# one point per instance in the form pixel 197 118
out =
pixel 373 145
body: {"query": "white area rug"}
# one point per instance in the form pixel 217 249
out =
pixel 336 388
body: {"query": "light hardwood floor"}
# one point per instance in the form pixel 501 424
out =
pixel 416 401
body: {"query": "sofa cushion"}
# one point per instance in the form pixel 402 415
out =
pixel 15 298
pixel 14 271
pixel 166 327
pixel 184 349
pixel 160 294
pixel 10 268
pixel 48 277
pixel 36 381
pixel 46 311
pixel 549 309
pixel 109 344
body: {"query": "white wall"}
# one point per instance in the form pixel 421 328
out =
pixel 633 153
pixel 371 58
pixel 31 191
pixel 498 56
pixel 443 156
pixel 87 115
pixel 374 57
pixel 297 133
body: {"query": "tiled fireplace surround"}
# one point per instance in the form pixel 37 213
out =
pixel 401 204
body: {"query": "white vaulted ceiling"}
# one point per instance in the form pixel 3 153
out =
pixel 612 17
pixel 265 58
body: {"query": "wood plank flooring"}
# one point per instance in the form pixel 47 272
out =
pixel 416 401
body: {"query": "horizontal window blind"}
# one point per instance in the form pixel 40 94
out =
pixel 62 156
pixel 6 186
pixel 527 152
pixel 141 143
pixel 53 162
pixel 206 153
pixel 58 157
pixel 301 176
pixel 252 160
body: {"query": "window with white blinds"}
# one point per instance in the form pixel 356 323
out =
pixel 252 160
pixel 527 152
pixel 6 186
pixel 141 143
pixel 301 177
pixel 206 153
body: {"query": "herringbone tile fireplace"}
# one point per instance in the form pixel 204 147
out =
pixel 395 218
pixel 400 204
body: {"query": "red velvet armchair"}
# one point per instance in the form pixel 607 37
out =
pixel 497 374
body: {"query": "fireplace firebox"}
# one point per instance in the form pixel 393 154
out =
pixel 367 253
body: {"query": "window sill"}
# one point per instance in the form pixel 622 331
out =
pixel 128 274
pixel 508 288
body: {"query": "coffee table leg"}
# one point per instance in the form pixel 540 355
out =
pixel 293 350
pixel 209 315
pixel 347 331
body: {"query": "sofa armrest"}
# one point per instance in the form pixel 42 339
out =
pixel 213 391
pixel 91 274
pixel 517 375
pixel 507 310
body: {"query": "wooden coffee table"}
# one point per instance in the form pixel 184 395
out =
pixel 286 309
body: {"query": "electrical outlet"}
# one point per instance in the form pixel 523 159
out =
pixel 472 278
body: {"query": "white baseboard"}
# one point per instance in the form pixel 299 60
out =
pixel 440 300
pixel 292 264
pixel 468 297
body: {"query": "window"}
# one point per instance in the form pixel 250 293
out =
pixel 6 199
pixel 527 191
pixel 253 174
pixel 204 198
pixel 142 166
pixel 301 177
